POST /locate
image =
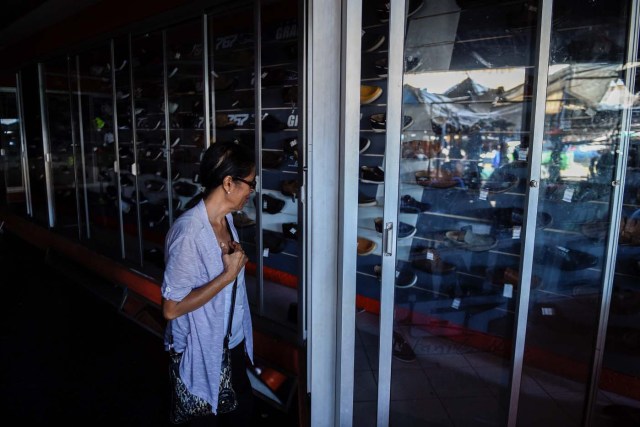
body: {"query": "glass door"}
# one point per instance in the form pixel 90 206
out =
pixel 99 151
pixel 583 130
pixel 460 143
pixel 61 109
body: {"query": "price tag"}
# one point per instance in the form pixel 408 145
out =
pixel 430 255
pixel 568 195
pixel 483 194
pixel 507 291
pixel 265 252
pixel 548 311
pixel 456 303
pixel 516 232
pixel 522 154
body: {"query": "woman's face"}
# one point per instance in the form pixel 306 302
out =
pixel 243 187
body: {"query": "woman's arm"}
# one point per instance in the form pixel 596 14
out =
pixel 233 264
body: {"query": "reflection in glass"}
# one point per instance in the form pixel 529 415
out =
pixel 583 122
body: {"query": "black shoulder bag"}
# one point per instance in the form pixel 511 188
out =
pixel 186 406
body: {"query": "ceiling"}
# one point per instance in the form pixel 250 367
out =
pixel 23 18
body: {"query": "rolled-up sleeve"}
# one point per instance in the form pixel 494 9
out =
pixel 182 266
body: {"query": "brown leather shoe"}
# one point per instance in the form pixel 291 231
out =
pixel 366 246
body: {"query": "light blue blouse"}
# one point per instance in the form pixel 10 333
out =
pixel 193 258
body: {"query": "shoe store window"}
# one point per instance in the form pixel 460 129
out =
pixel 513 215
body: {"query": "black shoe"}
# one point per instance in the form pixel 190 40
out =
pixel 272 124
pixel 364 200
pixel 410 205
pixel 371 175
pixel 272 159
pixel 405 276
pixel 270 204
pixel 402 350
pixel 273 241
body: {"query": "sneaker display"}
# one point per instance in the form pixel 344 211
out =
pixel 371 175
pixel 410 205
pixel 402 350
pixel 368 93
pixel 364 144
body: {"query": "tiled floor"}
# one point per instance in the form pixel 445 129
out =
pixel 453 385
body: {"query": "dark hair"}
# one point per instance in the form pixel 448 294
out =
pixel 222 159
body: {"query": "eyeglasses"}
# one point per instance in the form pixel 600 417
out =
pixel 251 184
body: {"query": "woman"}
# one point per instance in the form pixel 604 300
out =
pixel 202 263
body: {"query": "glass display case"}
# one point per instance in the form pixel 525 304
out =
pixel 467 158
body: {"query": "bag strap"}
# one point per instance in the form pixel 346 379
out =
pixel 233 295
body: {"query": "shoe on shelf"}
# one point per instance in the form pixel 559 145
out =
pixel 364 200
pixel 411 206
pixel 378 122
pixel 404 230
pixel 369 93
pixel 290 187
pixel 270 204
pixel 371 174
pixel 405 276
pixel 467 239
pixel 272 159
pixel 272 124
pixel 402 350
pixel 364 144
pixel 429 260
pixel 365 246
pixel 371 41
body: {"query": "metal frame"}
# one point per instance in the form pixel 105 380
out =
pixel 82 151
pixel 534 156
pixel 116 143
pixel 325 188
pixel 347 259
pixel 74 146
pixel 257 87
pixel 24 158
pixel 46 146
